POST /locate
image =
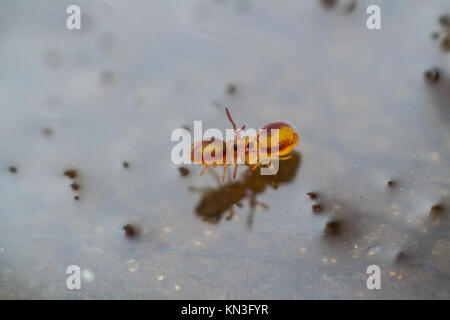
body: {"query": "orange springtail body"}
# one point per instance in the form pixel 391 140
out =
pixel 204 152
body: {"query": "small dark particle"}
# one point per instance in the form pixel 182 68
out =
pixel 76 198
pixel 445 44
pixel 47 132
pixel 312 195
pixel 12 169
pixel 390 183
pixel 401 255
pixel 350 7
pixel 71 173
pixel 437 212
pixel 107 77
pixel 435 35
pixel 432 75
pixel 183 171
pixel 231 89
pixel 436 208
pixel 75 186
pixel 186 127
pixel 332 227
pixel 316 208
pixel 125 164
pixel 328 4
pixel 444 20
pixel 130 231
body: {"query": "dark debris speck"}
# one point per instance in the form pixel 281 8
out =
pixel 231 89
pixel 401 255
pixel 332 227
pixel 107 77
pixel 316 208
pixel 445 44
pixel 328 4
pixel 312 195
pixel 71 173
pixel 432 75
pixel 130 231
pixel 12 169
pixel 350 7
pixel 75 186
pixel 444 21
pixel 47 132
pixel 183 171
pixel 436 208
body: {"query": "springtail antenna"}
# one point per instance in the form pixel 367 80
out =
pixel 230 118
pixel 237 133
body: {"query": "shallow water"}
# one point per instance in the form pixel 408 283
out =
pixel 114 91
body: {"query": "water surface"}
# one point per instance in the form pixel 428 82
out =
pixel 114 91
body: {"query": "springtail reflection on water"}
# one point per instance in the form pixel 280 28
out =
pixel 215 202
